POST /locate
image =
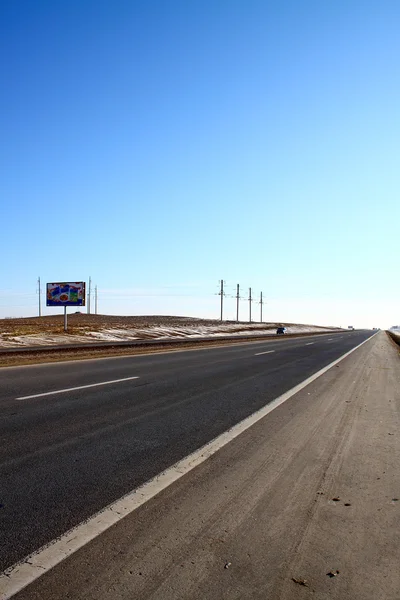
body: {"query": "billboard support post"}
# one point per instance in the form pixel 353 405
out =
pixel 65 319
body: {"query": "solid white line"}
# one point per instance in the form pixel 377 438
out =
pixel 81 387
pixel 17 577
pixel 267 352
pixel 309 344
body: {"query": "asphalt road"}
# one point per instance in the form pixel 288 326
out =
pixel 64 456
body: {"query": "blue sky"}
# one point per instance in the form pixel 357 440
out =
pixel 161 146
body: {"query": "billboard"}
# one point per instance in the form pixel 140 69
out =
pixel 66 294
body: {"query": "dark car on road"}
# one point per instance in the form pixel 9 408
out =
pixel 281 331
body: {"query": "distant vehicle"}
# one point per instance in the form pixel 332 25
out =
pixel 350 328
pixel 281 331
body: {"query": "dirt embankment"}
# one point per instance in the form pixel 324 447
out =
pixel 395 336
pixel 80 322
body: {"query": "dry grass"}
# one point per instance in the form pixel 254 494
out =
pixel 80 323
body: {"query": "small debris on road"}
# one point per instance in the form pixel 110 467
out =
pixel 347 504
pixel 300 581
pixel 336 499
pixel 333 573
pixel 227 565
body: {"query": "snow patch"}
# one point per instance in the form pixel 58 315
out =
pixel 154 333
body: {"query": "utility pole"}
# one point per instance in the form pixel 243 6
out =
pixel 261 305
pixel 95 300
pixel 250 301
pixel 40 302
pixel 237 303
pixel 89 294
pixel 221 293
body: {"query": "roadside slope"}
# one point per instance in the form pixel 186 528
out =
pixel 263 506
pixel 48 331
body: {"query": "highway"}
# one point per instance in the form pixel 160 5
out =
pixel 77 436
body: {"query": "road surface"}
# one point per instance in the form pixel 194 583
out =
pixel 66 455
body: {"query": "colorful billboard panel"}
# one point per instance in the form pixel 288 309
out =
pixel 66 294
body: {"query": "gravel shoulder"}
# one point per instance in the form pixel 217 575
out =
pixel 312 489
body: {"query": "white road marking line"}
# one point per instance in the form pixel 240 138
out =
pixel 267 352
pixel 329 339
pixel 80 387
pixel 310 344
pixel 17 577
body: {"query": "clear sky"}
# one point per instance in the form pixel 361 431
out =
pixel 160 146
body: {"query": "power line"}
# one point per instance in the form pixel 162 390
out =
pixel 122 296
